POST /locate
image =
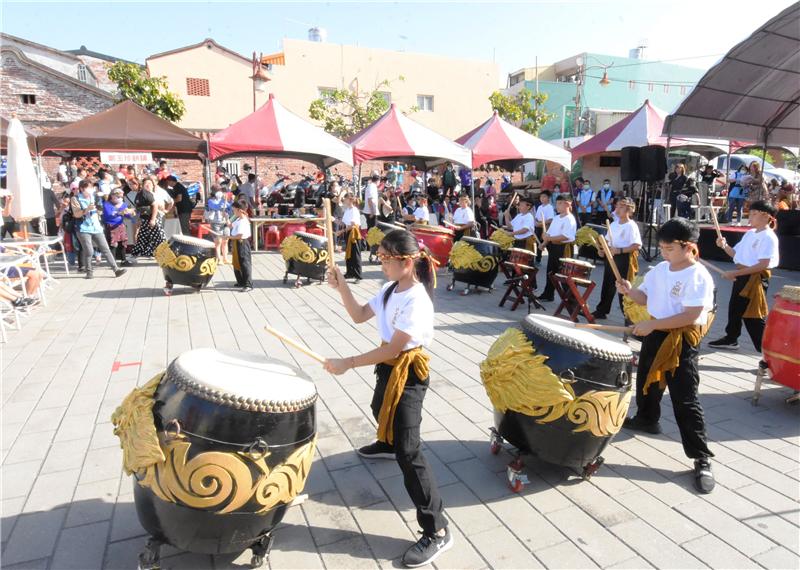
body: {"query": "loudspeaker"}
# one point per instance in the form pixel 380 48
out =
pixel 629 164
pixel 653 163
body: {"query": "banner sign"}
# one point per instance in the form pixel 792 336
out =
pixel 126 157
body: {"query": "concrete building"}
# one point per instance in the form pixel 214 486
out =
pixel 452 95
pixel 631 80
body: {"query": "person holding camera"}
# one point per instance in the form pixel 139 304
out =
pixel 90 230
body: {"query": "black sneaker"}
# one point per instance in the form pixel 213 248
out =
pixel 377 450
pixel 724 343
pixel 636 424
pixel 703 477
pixel 120 272
pixel 246 289
pixel 89 275
pixel 599 316
pixel 427 549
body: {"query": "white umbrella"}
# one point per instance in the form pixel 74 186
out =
pixel 23 185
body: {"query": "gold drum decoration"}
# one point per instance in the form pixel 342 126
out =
pixel 502 238
pixel 559 392
pixel 475 261
pixel 306 255
pixel 187 260
pixel 219 445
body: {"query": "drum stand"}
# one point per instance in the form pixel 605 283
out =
pixel 150 557
pixel 764 373
pixel 521 281
pixel 572 300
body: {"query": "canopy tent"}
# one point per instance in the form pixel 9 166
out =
pixel 124 127
pixel 273 130
pixel 751 94
pixel 4 125
pixel 501 143
pixel 396 137
pixel 643 128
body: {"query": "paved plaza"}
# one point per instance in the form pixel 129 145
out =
pixel 67 504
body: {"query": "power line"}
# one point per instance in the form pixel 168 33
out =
pixel 669 60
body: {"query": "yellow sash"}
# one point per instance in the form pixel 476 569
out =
pixel 568 249
pixel 633 266
pixel 668 355
pixel 415 357
pixel 353 235
pixel 531 244
pixel 235 251
pixel 757 307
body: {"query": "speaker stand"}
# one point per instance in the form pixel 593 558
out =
pixel 651 223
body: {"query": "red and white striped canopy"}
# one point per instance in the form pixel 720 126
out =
pixel 501 143
pixel 396 137
pixel 273 130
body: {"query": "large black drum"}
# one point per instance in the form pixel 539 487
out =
pixel 376 234
pixel 187 260
pixel 474 262
pixel 306 255
pixel 559 392
pixel 237 432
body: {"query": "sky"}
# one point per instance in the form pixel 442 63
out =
pixel 513 34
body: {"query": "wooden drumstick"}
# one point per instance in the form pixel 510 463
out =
pixel 609 257
pixel 711 266
pixel 294 344
pixel 607 328
pixel 608 229
pixel 326 204
pixel 716 222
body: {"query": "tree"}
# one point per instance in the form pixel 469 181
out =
pixel 524 109
pixel 152 93
pixel 344 112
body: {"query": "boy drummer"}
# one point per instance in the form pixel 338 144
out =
pixel 679 294
pixel 624 240
pixel 558 240
pixel 754 256
pixel 522 224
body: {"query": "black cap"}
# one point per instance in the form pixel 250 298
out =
pixel 764 206
pixel 678 229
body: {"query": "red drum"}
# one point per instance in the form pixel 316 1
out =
pixel 519 256
pixel 780 338
pixel 289 228
pixel 575 268
pixel 437 238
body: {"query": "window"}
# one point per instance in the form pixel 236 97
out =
pixel 650 87
pixel 666 88
pixel 610 161
pixel 386 97
pixel 631 84
pixel 82 74
pixel 683 89
pixel 28 99
pixel 231 167
pixel 197 87
pixel 425 102
pixel 516 79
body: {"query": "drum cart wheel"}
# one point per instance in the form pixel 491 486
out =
pixel 197 288
pixel 591 468
pixel 261 551
pixel 150 557
pixel 285 278
pixel 168 289
pixel 452 285
pixel 516 478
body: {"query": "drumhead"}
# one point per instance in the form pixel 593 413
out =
pixel 468 239
pixel 563 332
pixel 191 240
pixel 241 380
pixel 431 229
pixel 313 237
pixel 576 262
pixel 520 251
pixel 790 292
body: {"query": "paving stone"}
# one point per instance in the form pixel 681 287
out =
pixel 658 549
pixel 76 427
pixel 44 420
pixel 530 527
pixel 772 501
pixel 349 553
pixel 9 510
pixel 29 447
pixel 34 536
pixel 462 555
pixel 358 487
pixel 125 523
pixel 565 555
pixel 81 547
pixel 18 478
pixel 635 563
pixel 93 502
pixel 672 523
pixel 52 490
pixel 501 549
pixel 65 455
pixel 124 554
pixel 465 510
pixel 329 519
pixel 40 564
pixel 779 557
pixel 600 545
pixel 714 552
pixel 384 530
pixel 101 464
pixel 294 548
pixel 777 529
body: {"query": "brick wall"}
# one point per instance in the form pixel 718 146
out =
pixel 58 102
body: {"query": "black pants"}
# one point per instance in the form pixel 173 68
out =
pixel 585 218
pixel 183 220
pixel 737 307
pixel 8 229
pixel 242 263
pixel 539 232
pixel 52 230
pixel 353 263
pixel 682 390
pixel 417 474
pixel 371 219
pixel 555 251
pixel 622 260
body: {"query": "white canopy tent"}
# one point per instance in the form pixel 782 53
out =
pixel 752 93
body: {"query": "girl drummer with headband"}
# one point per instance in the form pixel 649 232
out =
pixel 624 240
pixel 404 312
pixel 352 250
pixel 754 255
pixel 679 294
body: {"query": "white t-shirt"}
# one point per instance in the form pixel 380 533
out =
pixel 162 197
pixel 523 221
pixel 755 246
pixel 241 227
pixel 371 199
pixel 422 214
pixel 672 292
pixel 463 216
pixel 548 211
pixel 563 226
pixel 624 235
pixel 62 173
pixel 410 311
pixel 351 216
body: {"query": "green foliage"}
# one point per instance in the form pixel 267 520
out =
pixel 152 93
pixel 525 109
pixel 344 112
pixel 759 152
